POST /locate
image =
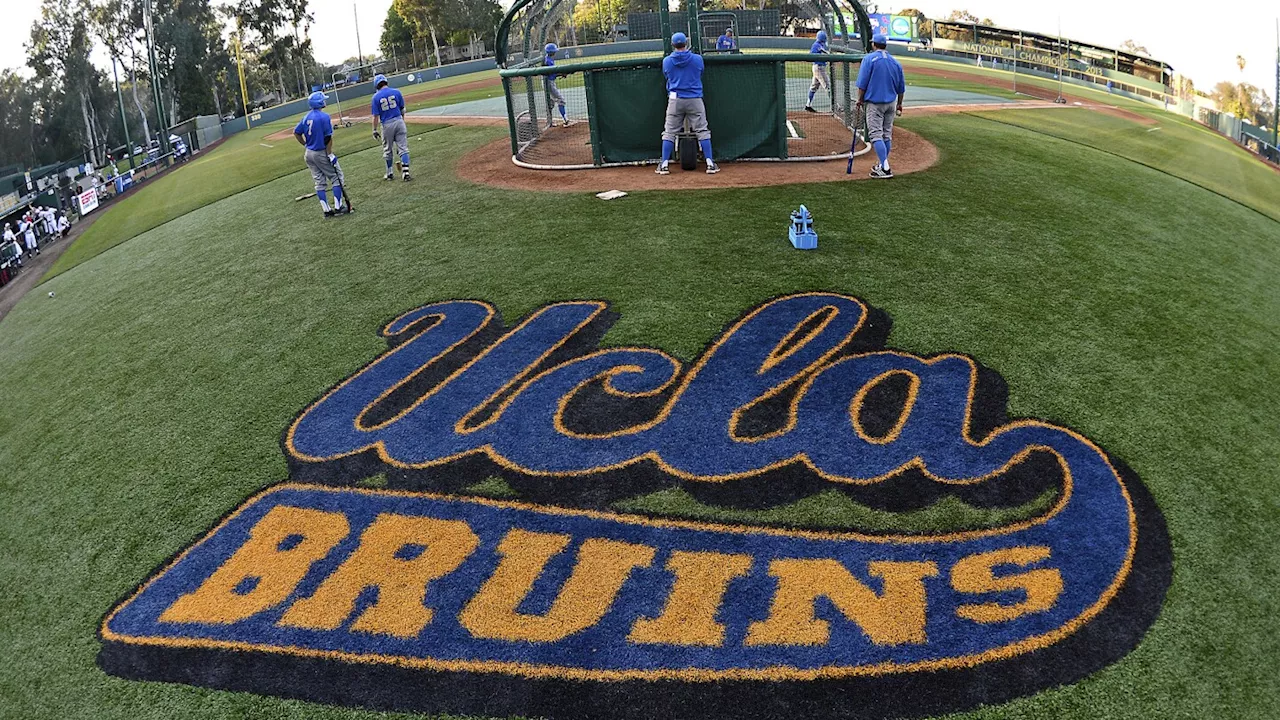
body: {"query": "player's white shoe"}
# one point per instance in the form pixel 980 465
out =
pixel 712 168
pixel 388 177
pixel 406 176
pixel 880 173
pixel 663 169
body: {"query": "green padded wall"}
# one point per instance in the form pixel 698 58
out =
pixel 744 110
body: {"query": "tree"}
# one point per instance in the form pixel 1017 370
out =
pixel 923 24
pixel 964 16
pixel 396 32
pixel 479 18
pixel 277 33
pixel 429 15
pixel 1243 100
pixel 117 24
pixel 1240 62
pixel 1132 46
pixel 18 133
pixel 187 35
pixel 58 52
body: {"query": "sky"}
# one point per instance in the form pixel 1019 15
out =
pixel 1204 50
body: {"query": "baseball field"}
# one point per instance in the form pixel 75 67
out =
pixel 1114 265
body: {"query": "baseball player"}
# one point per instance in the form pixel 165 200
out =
pixel 820 79
pixel 553 90
pixel 727 42
pixel 683 70
pixel 50 225
pixel 315 133
pixel 388 109
pixel 27 228
pixel 10 246
pixel 64 225
pixel 881 86
pixel 11 239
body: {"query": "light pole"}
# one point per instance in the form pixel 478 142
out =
pixel 149 26
pixel 244 93
pixel 359 52
pixel 120 98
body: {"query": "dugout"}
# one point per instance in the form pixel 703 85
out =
pixel 616 101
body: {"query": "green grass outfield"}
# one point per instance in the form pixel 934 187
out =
pixel 247 159
pixel 1140 308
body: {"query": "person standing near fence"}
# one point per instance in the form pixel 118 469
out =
pixel 820 78
pixel 553 90
pixel 388 108
pixel 881 87
pixel 727 42
pixel 683 70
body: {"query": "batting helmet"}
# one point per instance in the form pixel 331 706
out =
pixel 822 36
pixel 551 49
pixel 379 80
pixel 679 39
pixel 316 101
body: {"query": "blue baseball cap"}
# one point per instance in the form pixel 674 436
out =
pixel 379 80
pixel 879 39
pixel 316 101
pixel 679 39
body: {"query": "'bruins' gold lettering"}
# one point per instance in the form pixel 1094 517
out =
pixel 895 617
pixel 974 575
pixel 601 569
pixel 281 549
pixel 689 617
pixel 400 609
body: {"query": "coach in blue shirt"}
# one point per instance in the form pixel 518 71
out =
pixel 683 70
pixel 881 87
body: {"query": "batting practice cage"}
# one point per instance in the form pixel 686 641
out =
pixel 755 86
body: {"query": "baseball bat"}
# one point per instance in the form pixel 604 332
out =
pixel 300 198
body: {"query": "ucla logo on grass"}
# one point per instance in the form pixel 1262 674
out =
pixel 661 547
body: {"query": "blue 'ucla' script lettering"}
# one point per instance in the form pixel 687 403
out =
pixel 506 404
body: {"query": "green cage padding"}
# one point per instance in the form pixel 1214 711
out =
pixel 743 102
pixel 630 108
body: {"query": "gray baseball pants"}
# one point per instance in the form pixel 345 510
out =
pixel 395 139
pixel 680 108
pixel 323 172
pixel 880 120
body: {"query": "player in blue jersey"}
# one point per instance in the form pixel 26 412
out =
pixel 315 133
pixel 881 87
pixel 820 79
pixel 388 109
pixel 727 42
pixel 553 90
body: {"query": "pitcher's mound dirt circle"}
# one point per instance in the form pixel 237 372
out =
pixel 491 165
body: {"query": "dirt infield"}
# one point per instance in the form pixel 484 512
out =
pixel 491 164
pixel 1027 89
